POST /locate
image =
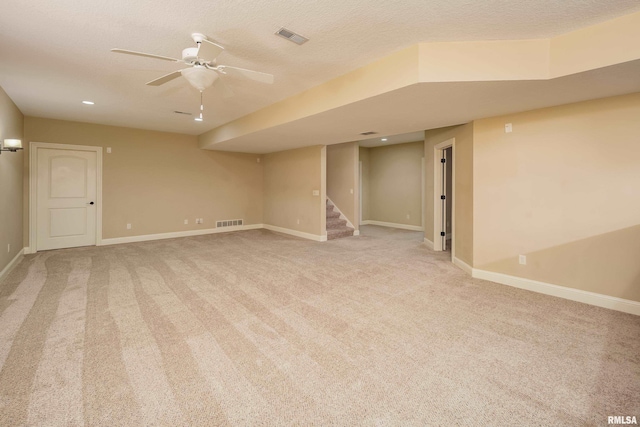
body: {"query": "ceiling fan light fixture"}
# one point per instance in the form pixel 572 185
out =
pixel 199 77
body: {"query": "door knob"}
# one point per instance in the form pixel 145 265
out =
pixel 90 203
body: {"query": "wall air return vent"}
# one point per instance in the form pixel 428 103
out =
pixel 229 223
pixel 291 36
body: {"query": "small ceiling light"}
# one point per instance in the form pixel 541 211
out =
pixel 88 102
pixel 384 139
pixel 198 119
pixel 12 145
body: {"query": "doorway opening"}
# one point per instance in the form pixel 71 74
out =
pixel 444 197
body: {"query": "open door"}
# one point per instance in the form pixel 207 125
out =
pixel 444 197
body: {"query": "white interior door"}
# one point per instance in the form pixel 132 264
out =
pixel 66 198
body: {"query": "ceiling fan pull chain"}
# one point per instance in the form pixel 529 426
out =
pixel 199 119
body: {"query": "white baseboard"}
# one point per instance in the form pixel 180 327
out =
pixel 463 266
pixel 7 269
pixel 356 232
pixel 173 235
pixel 592 298
pixel 429 243
pixel 316 237
pixel 393 225
pixel 27 250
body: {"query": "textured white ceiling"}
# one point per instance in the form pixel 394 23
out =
pixel 53 55
pixel 392 139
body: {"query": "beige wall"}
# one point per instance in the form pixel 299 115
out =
pixel 395 183
pixel 156 180
pixel 464 210
pixel 11 164
pixel 564 190
pixel 364 156
pixel 342 179
pixel 290 177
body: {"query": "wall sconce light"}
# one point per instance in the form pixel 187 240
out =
pixel 11 145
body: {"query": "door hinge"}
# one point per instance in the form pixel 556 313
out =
pixel 442 233
pixel 443 197
pixel 443 160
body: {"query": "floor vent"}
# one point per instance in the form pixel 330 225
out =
pixel 229 223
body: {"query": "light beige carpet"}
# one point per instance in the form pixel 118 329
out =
pixel 258 328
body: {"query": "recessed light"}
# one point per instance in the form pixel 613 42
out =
pixel 88 102
pixel 384 139
pixel 198 119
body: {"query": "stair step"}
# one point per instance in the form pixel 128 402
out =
pixel 337 233
pixel 333 214
pixel 336 223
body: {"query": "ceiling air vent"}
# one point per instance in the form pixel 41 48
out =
pixel 290 35
pixel 368 133
pixel 182 112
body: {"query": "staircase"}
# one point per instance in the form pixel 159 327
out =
pixel 336 227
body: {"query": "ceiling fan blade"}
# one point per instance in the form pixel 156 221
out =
pixel 209 51
pixel 164 79
pixel 253 75
pixel 148 55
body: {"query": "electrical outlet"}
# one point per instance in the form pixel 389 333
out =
pixel 201 220
pixel 108 150
pixel 351 191
pixel 408 216
pixel 298 221
pixel 508 128
pixel 186 221
pixel 128 226
pixel 522 259
pixel 316 192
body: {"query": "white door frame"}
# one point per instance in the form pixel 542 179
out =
pixel 437 188
pixel 33 179
pixel 360 188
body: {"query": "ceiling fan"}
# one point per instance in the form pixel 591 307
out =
pixel 203 70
